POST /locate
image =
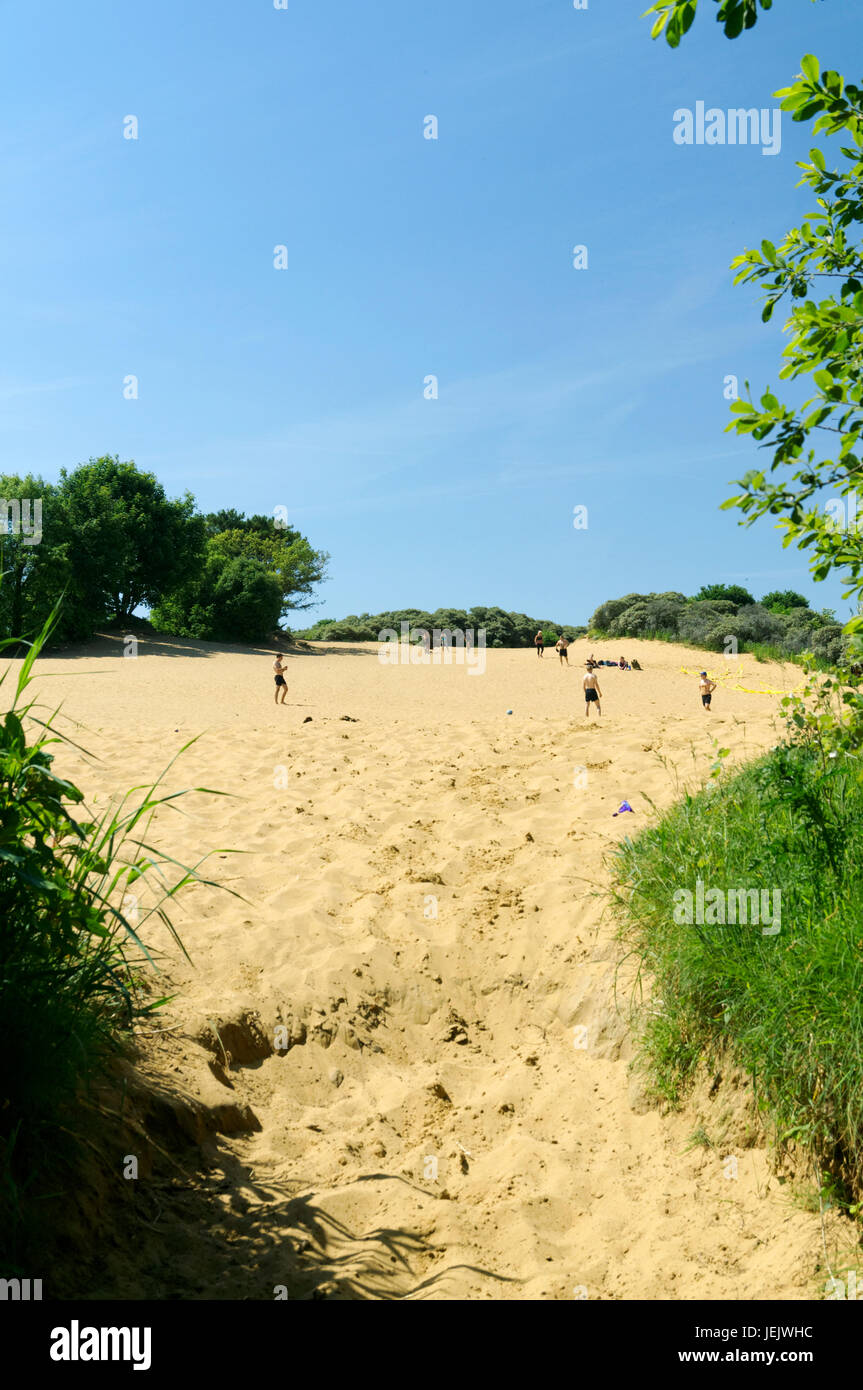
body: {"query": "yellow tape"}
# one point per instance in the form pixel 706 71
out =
pixel 748 690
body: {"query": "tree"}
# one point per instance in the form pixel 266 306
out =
pixel 252 576
pixel 729 593
pixel 230 599
pixel 783 601
pixel 247 601
pixel 675 17
pixel 232 520
pixel 226 520
pixel 34 561
pixel 825 343
pixel 283 551
pixel 128 543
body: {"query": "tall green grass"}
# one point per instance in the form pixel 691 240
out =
pixel 789 1007
pixel 71 946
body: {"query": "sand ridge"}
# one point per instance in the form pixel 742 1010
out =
pixel 424 921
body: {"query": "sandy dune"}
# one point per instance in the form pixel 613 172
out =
pixel 424 918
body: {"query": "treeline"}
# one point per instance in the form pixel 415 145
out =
pixel 109 540
pixel 502 629
pixel 781 623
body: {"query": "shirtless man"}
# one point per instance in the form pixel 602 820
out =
pixel 281 683
pixel 706 688
pixel 539 642
pixel 562 644
pixel 592 692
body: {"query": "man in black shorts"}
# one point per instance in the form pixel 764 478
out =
pixel 281 683
pixel 707 687
pixel 592 692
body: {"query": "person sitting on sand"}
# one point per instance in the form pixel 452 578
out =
pixel 624 664
pixel 281 683
pixel 592 692
pixel 561 649
pixel 591 662
pixel 707 688
pixel 539 642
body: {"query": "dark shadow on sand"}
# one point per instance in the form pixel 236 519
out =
pixel 112 645
pixel 199 1225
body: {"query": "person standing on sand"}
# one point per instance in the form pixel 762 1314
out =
pixel 281 683
pixel 592 692
pixel 706 687
pixel 539 642
pixel 561 649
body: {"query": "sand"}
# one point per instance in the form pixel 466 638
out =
pixel 453 1115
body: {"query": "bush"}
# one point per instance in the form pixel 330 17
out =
pixel 349 632
pixel 611 609
pixel 631 622
pixel 501 629
pixel 663 612
pixel 231 600
pixel 789 629
pixel 70 952
pixel 783 601
pixel 752 623
pixel 788 1007
pixel 732 593
pixel 828 644
pixel 700 623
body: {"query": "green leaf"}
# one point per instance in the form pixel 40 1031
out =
pixel 811 108
pixel 810 67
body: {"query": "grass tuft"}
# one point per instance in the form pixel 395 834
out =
pixel 788 1007
pixel 71 952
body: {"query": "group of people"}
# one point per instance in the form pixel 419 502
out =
pixel 622 664
pixel 562 649
pixel 592 692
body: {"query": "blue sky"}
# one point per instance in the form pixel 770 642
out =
pixel 407 257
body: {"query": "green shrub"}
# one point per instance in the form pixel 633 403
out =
pixel 787 630
pixel 731 593
pixel 788 1007
pixel 70 949
pixel 501 629
pixel 232 599
pixel 784 601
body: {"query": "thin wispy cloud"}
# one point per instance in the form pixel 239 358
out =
pixel 13 390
